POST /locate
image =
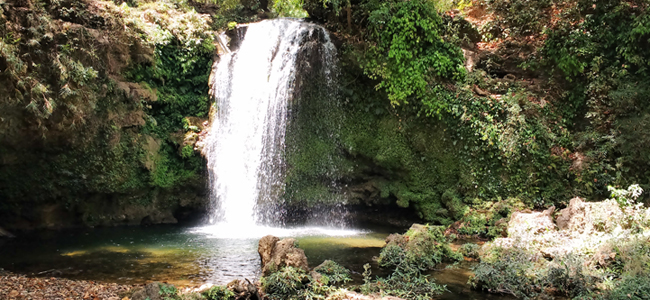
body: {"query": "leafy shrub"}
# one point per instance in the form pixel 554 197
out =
pixel 630 288
pixel 408 51
pixel 289 8
pixel 333 273
pixel 168 292
pixel 599 48
pixel 521 17
pixel 469 250
pixel 507 271
pixel 419 250
pixel 473 223
pixel 288 283
pixel 218 293
pixel 410 255
pixel 410 286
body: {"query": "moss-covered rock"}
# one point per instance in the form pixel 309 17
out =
pixel 86 142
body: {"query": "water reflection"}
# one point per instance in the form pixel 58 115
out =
pixel 184 256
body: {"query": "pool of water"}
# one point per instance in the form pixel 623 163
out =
pixel 179 255
pixel 193 256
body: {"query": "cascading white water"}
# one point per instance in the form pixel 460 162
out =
pixel 253 87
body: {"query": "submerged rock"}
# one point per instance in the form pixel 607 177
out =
pixel 276 253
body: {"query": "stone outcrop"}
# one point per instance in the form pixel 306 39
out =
pixel 586 217
pixel 276 253
pixel 523 224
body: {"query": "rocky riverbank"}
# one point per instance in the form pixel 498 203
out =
pixel 15 286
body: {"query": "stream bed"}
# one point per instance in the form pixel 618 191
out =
pixel 192 256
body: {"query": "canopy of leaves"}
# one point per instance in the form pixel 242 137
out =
pixel 406 49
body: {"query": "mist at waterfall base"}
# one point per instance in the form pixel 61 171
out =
pixel 253 89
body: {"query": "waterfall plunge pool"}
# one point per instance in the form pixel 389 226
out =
pixel 193 256
pixel 186 256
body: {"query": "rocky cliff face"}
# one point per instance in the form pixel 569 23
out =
pixel 85 140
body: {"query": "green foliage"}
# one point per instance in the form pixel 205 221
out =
pixel 469 250
pixel 629 287
pixel 218 293
pixel 599 48
pixel 171 170
pixel 415 158
pixel 517 271
pixel 168 292
pixel 333 273
pixel 295 283
pixel 58 77
pixel 408 286
pixel 180 77
pixel 289 8
pixel 508 271
pixel 187 151
pixel 420 250
pixel 410 256
pixel 626 197
pixel 521 17
pixel 63 80
pixel 408 52
pixel 286 284
pixel 367 286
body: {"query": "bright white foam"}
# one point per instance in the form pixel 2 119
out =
pixel 245 148
pixel 233 231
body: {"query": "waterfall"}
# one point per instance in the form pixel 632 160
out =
pixel 253 87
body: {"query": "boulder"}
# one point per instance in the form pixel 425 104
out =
pixel 276 253
pixel 524 224
pixel 150 291
pixel 584 218
pixel 243 289
pixel 265 248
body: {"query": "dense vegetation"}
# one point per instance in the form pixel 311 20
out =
pixel 552 107
pixel 464 111
pixel 93 108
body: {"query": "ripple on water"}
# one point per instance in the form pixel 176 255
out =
pixel 184 256
pixel 235 231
